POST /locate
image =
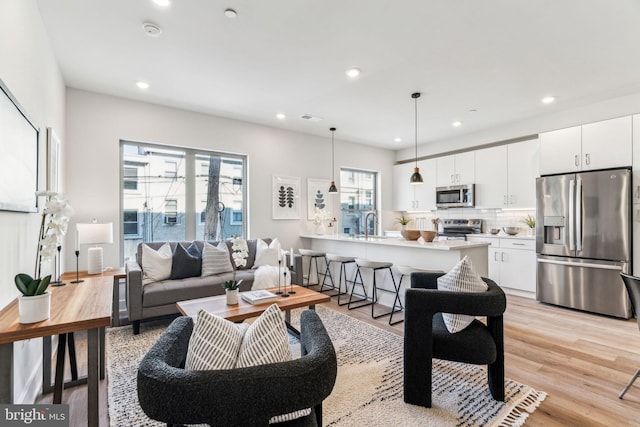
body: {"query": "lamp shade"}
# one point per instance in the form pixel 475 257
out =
pixel 94 234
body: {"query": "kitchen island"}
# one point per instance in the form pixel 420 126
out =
pixel 438 255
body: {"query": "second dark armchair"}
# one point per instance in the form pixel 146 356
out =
pixel 426 336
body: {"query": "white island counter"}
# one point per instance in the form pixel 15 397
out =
pixel 439 255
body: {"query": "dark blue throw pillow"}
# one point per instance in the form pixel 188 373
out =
pixel 186 262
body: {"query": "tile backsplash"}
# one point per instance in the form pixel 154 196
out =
pixel 491 218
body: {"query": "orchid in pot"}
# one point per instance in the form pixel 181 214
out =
pixel 35 303
pixel 319 216
pixel 239 253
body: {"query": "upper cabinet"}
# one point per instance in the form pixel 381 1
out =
pixel 600 145
pixel 410 197
pixel 456 169
pixel 506 175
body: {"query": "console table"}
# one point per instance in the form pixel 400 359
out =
pixel 74 307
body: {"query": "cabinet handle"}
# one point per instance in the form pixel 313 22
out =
pixel 502 257
pixel 512 199
pixel 577 160
pixel 453 180
pixel 587 159
pixel 518 244
pixel 457 177
pixel 505 200
pixel 495 256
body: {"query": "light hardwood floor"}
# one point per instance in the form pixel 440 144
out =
pixel 581 360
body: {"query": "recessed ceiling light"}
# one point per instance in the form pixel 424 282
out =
pixel 151 29
pixel 456 124
pixel 353 72
pixel 163 3
pixel 548 99
pixel 230 13
pixel 281 116
pixel 397 139
pixel 142 85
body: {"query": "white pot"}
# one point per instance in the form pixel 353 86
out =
pixel 531 231
pixel 320 230
pixel 34 309
pixel 232 296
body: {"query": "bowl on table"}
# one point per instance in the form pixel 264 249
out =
pixel 494 230
pixel 512 231
pixel 410 234
pixel 428 235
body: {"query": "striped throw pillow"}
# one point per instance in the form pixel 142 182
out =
pixel 461 278
pixel 214 343
pixel 215 259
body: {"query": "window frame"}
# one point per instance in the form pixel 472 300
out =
pixel 348 179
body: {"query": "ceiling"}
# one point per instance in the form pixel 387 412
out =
pixel 485 63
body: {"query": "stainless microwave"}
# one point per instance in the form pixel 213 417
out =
pixel 455 196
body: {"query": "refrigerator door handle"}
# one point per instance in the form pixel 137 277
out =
pixel 578 215
pixel 572 237
pixel 580 264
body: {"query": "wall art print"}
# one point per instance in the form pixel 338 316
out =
pixel 285 197
pixel 317 197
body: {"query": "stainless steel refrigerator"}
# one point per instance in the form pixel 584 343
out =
pixel 583 240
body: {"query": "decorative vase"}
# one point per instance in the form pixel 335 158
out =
pixel 531 231
pixel 320 228
pixel 34 309
pixel 232 296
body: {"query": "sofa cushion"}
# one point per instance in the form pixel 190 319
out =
pixel 267 254
pixel 461 278
pixel 186 262
pixel 156 265
pixel 215 259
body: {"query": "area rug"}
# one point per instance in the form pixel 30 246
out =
pixel 368 390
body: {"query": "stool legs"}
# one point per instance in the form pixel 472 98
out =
pixel 327 272
pixel 314 259
pixel 395 302
pixel 397 290
pixel 343 274
pixel 364 290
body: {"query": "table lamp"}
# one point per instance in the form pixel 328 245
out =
pixel 94 234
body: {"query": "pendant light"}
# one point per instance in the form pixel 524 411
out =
pixel 416 178
pixel 332 188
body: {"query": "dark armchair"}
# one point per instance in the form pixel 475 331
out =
pixel 426 336
pixel 237 397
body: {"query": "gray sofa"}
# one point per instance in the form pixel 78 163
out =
pixel 159 298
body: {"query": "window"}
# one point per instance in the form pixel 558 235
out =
pixel 130 178
pixel 358 193
pixel 174 189
pixel 130 223
pixel 171 211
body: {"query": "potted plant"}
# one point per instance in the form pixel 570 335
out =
pixel 403 221
pixel 239 253
pixel 319 216
pixel 530 222
pixel 34 305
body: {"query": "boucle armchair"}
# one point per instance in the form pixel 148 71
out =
pixel 426 336
pixel 237 397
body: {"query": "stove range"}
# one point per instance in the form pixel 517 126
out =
pixel 457 229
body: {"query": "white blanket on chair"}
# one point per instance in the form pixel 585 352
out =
pixel 266 276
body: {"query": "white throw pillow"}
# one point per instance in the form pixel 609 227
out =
pixel 215 259
pixel 214 343
pixel 266 277
pixel 461 278
pixel 267 254
pixel 156 265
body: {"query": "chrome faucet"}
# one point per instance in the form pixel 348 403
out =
pixel 366 223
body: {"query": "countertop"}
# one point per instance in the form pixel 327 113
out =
pixel 503 235
pixel 443 245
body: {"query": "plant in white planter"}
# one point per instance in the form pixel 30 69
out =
pixel 34 305
pixel 240 252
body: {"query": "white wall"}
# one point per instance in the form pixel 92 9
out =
pixel 96 123
pixel 30 71
pixel 554 119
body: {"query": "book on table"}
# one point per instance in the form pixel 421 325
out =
pixel 258 297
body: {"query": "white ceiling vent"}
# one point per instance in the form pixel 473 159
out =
pixel 310 118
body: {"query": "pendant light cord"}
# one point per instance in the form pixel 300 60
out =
pixel 333 156
pixel 416 127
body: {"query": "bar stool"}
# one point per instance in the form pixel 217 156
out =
pixel 314 256
pixel 404 271
pixel 343 260
pixel 375 266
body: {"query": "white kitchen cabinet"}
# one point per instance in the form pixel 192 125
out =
pixel 419 197
pixel 506 175
pixel 600 145
pixel 636 162
pixel 456 169
pixel 511 263
pixel 491 177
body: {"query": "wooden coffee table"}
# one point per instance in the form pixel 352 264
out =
pixel 217 305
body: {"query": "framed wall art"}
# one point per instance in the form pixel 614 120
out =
pixel 317 197
pixel 285 197
pixel 19 158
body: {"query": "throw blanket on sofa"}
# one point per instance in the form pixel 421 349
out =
pixel 266 276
